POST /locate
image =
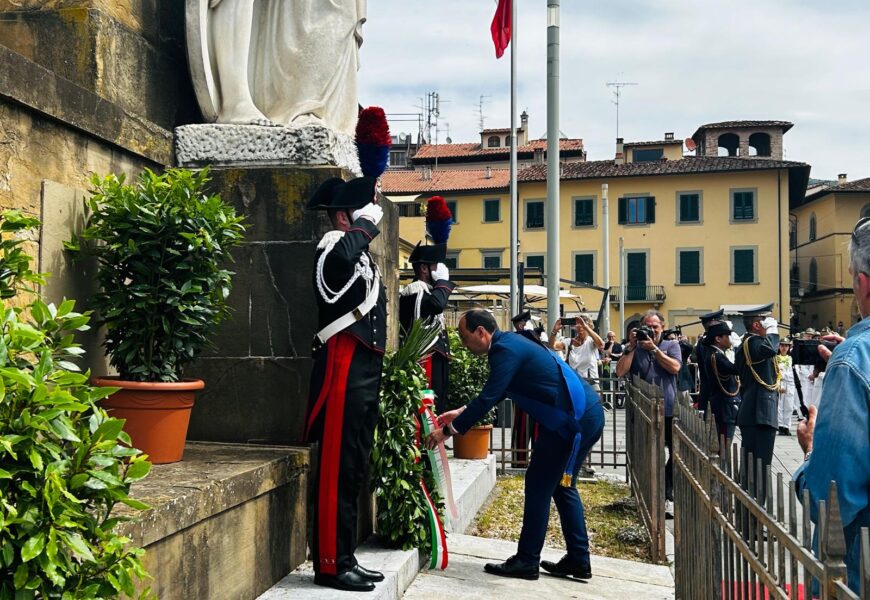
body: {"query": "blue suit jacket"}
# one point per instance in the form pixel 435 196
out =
pixel 528 373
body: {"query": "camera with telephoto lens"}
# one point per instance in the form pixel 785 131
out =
pixel 806 352
pixel 644 332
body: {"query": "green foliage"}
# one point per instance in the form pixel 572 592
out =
pixel 15 272
pixel 161 245
pixel 468 374
pixel 396 461
pixel 64 463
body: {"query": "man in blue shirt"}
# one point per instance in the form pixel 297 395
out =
pixel 570 419
pixel 837 442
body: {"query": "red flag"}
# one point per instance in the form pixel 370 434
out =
pixel 501 27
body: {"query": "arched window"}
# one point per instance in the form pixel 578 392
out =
pixel 812 227
pixel 728 144
pixel 493 141
pixel 759 144
pixel 865 212
pixel 814 276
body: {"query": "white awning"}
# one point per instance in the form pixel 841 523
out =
pixel 505 290
pixel 403 199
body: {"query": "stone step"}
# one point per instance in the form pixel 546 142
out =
pixel 473 480
pixel 465 578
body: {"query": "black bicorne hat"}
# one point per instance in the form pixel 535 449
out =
pixel 335 193
pixel 434 254
pixel 716 329
pixel 523 316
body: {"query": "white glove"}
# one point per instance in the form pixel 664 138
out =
pixel 371 211
pixel 770 325
pixel 440 273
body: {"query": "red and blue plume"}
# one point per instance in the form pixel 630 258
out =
pixel 438 219
pixel 373 141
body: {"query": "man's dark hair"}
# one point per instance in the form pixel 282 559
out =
pixel 653 313
pixel 477 317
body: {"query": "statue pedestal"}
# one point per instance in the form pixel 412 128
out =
pixel 229 145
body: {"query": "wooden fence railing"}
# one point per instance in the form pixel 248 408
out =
pixel 740 534
pixel 645 458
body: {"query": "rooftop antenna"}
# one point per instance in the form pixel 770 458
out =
pixel 617 92
pixel 481 119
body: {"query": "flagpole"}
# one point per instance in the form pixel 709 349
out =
pixel 516 301
pixel 553 171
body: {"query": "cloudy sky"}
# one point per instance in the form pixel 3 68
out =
pixel 804 61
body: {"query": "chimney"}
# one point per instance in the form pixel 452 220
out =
pixel 487 173
pixel 426 173
pixel 842 178
pixel 669 136
pixel 538 157
pixel 620 155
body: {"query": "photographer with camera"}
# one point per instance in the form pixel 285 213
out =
pixel 838 443
pixel 583 352
pixel 655 361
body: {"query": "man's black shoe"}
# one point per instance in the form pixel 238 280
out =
pixel 348 581
pixel 565 568
pixel 784 431
pixel 368 574
pixel 512 568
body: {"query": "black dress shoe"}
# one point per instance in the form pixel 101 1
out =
pixel 513 568
pixel 784 431
pixel 348 581
pixel 566 567
pixel 368 574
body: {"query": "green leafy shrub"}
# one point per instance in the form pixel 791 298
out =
pixel 15 272
pixel 64 463
pixel 468 374
pixel 396 460
pixel 161 245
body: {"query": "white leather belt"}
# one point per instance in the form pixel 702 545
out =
pixel 346 320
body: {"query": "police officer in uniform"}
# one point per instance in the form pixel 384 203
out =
pixel 760 379
pixel 724 383
pixel 346 376
pixel 426 298
pixel 701 358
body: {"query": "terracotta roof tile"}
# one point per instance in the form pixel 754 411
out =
pixel 689 164
pixel 448 180
pixel 472 150
pixel 786 125
pixel 859 185
pixel 653 143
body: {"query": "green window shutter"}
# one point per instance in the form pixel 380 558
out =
pixel 651 209
pixel 535 262
pixel 623 211
pixel 491 211
pixel 690 208
pixel 744 266
pixel 690 266
pixel 584 268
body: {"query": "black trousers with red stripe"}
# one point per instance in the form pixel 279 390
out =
pixel 342 415
pixel 437 368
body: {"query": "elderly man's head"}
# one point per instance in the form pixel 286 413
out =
pixel 655 321
pixel 859 265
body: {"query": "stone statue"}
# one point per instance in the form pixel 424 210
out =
pixel 275 61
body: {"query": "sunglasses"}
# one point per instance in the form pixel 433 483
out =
pixel 861 222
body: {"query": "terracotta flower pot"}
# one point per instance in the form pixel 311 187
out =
pixel 157 414
pixel 474 443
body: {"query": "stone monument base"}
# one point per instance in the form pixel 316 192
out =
pixel 227 522
pixel 230 145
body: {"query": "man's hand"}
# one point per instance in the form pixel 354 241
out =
pixel 805 431
pixel 370 211
pixel 434 438
pixel 770 325
pixel 448 417
pixel 440 273
pixel 648 345
pixel 824 352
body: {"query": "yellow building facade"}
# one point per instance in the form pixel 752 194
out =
pixel 821 227
pixel 699 232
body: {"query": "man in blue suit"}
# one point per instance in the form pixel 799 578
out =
pixel 570 418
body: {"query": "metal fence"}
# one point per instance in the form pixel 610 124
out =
pixel 506 440
pixel 645 459
pixel 738 533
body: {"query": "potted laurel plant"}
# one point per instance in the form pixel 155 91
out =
pixel 161 244
pixel 468 374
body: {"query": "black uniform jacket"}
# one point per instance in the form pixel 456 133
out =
pixel 338 268
pixel 759 404
pixel 431 305
pixel 722 381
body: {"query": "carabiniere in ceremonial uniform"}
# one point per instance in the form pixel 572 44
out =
pixel 345 380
